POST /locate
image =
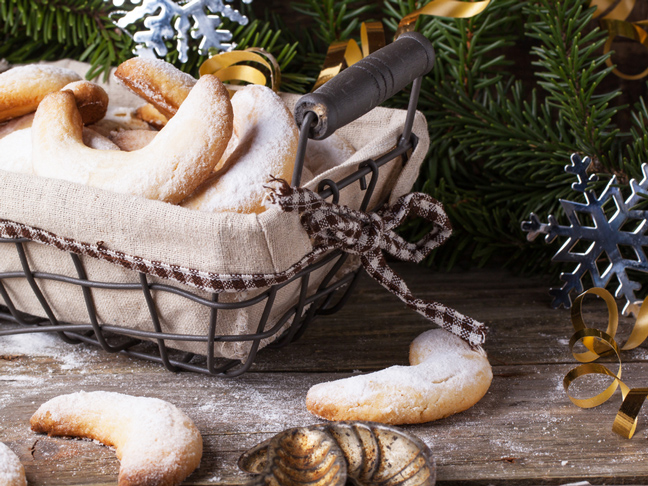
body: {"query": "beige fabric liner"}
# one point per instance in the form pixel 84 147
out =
pixel 225 243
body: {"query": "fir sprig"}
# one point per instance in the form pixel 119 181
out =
pixel 55 29
pixel 335 19
pixel 498 145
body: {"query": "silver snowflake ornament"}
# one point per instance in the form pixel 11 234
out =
pixel 167 19
pixel 604 248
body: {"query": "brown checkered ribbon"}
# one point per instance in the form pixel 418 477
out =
pixel 331 226
pixel 369 234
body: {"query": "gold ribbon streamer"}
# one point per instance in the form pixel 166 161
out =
pixel 620 12
pixel 225 66
pixel 372 35
pixel 347 53
pixel 599 343
pixel 442 8
pixel 612 16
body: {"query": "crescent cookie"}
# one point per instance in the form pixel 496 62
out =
pixel 12 472
pixel 22 88
pixel 263 145
pixel 168 169
pixel 91 100
pixel 156 81
pixel 16 134
pixel 446 376
pixel 156 443
pixel 151 115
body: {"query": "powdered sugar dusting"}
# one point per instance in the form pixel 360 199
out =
pixel 12 472
pixel 15 79
pixel 48 345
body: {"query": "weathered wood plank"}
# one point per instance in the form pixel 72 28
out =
pixel 525 428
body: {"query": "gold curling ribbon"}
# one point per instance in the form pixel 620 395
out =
pixel 612 16
pixel 347 53
pixel 599 343
pixel 442 8
pixel 372 35
pixel 225 66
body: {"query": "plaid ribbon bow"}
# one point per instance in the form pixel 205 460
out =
pixel 369 234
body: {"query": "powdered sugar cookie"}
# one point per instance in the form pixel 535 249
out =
pixel 263 144
pixel 12 472
pixel 156 81
pixel 156 443
pixel 446 376
pixel 168 169
pixel 22 88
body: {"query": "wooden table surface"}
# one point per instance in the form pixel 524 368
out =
pixel 525 430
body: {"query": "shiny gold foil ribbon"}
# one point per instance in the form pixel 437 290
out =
pixel 612 16
pixel 372 35
pixel 442 8
pixel 347 53
pixel 226 67
pixel 598 343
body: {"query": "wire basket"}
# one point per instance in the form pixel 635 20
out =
pixel 351 94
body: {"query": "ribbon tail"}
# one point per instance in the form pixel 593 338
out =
pixel 467 328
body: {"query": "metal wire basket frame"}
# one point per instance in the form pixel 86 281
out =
pixel 329 297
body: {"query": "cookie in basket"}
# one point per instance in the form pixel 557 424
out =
pixel 21 91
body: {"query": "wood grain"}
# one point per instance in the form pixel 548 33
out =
pixel 524 430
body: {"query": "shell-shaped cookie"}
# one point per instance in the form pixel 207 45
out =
pixel 371 454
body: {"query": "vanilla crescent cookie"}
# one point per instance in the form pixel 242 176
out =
pixel 16 134
pixel 22 88
pixel 156 443
pixel 263 145
pixel 12 472
pixel 151 115
pixel 169 168
pixel 445 377
pixel 156 81
pixel 91 100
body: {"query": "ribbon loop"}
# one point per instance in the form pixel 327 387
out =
pixel 599 343
pixel 332 226
pixel 612 15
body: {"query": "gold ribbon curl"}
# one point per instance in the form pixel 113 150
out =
pixel 346 53
pixel 599 343
pixel 442 8
pixel 612 16
pixel 226 67
pixel 343 54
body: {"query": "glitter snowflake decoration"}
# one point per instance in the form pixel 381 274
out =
pixel 166 20
pixel 617 243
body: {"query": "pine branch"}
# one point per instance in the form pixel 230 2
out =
pixel 54 29
pixel 335 19
pixel 498 149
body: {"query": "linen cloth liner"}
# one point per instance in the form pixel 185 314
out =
pixel 226 243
